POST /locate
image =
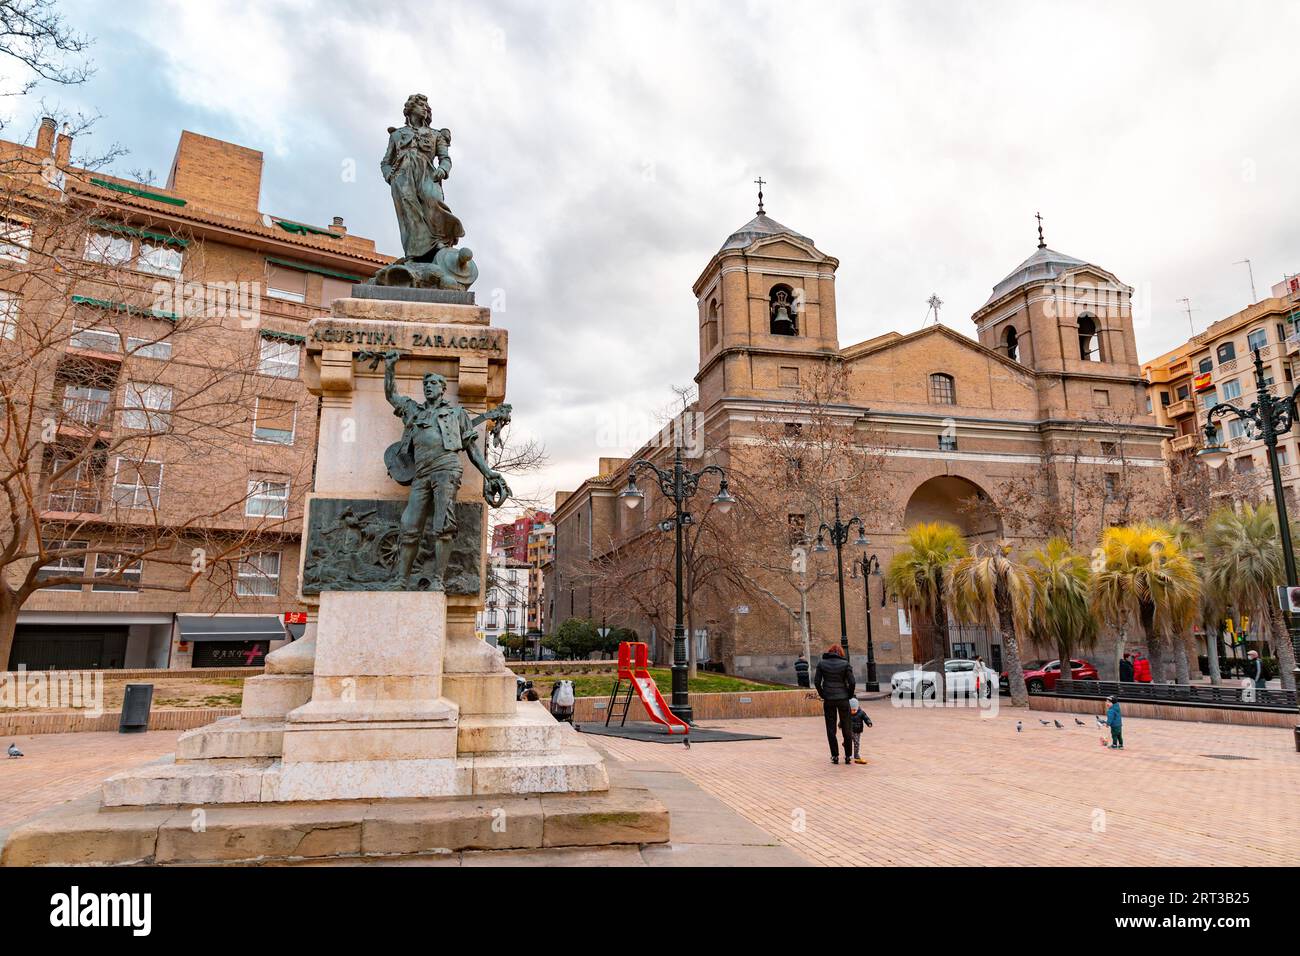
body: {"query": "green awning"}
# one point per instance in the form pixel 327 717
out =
pixel 133 191
pixel 300 229
pixel 123 307
pixel 139 233
pixel 307 267
pixel 291 337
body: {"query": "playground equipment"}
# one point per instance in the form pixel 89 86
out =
pixel 633 667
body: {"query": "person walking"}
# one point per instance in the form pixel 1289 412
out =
pixel 1255 669
pixel 860 720
pixel 1115 721
pixel 801 670
pixel 836 686
pixel 1125 669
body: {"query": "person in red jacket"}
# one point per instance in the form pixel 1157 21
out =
pixel 1141 668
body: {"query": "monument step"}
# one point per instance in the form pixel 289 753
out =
pixel 232 737
pixel 530 730
pixel 574 768
pixel 271 696
pixel 167 783
pixel 81 832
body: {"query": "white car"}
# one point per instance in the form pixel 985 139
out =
pixel 959 680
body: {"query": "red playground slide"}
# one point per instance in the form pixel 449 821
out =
pixel 633 667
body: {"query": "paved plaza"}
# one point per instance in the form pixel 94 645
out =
pixel 943 787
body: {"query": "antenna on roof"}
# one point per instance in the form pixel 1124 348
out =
pixel 1246 262
pixel 933 302
pixel 1042 244
pixel 759 180
pixel 1187 304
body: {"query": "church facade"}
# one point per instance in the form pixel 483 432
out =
pixel 1041 413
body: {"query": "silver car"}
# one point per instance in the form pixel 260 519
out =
pixel 960 679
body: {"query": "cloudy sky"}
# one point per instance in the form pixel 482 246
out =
pixel 604 150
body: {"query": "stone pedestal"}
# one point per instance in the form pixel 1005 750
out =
pixel 389 694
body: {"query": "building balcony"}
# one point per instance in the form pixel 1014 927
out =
pixel 1183 443
pixel 1178 409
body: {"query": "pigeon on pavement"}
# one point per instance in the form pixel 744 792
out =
pixel 1019 726
pixel 13 751
pixel 1044 722
pixel 1100 721
pixel 1059 725
pixel 1079 722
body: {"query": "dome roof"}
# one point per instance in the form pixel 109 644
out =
pixel 1045 263
pixel 760 226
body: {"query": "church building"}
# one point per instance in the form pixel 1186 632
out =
pixel 1047 393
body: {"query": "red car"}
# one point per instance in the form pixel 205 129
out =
pixel 1043 675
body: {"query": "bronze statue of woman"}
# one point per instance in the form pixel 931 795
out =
pixel 416 163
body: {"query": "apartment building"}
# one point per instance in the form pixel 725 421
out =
pixel 165 444
pixel 1218 365
pixel 506 604
pixel 541 549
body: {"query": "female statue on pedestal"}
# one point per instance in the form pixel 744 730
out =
pixel 416 163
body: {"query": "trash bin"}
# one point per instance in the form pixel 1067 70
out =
pixel 136 703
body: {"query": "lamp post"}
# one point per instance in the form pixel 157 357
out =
pixel 839 534
pixel 870 567
pixel 679 484
pixel 1269 417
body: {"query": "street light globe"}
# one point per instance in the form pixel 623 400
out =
pixel 820 546
pixel 862 541
pixel 724 500
pixel 632 495
pixel 1213 455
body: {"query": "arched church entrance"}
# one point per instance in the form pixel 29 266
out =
pixel 961 502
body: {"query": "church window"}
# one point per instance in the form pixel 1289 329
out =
pixel 942 389
pixel 711 327
pixel 1089 344
pixel 783 318
pixel 947 442
pixel 1012 343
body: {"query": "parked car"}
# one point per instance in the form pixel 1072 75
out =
pixel 959 679
pixel 1042 676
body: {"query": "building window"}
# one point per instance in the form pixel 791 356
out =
pixel 1236 428
pixel 137 484
pixel 947 442
pixel 279 358
pixel 267 498
pixel 273 421
pixel 1226 352
pixel 942 389
pixel 64 565
pixel 1148 404
pixel 8 314
pixel 1089 343
pixel 782 316
pixel 1164 399
pixel 1209 398
pixel 111 565
pixel 258 575
pixel 287 284
pixel 108 248
pixel 1012 342
pixel 1207 365
pixel 15 240
pixel 1109 449
pixel 711 327
pixel 1281 333
pixel 95 340
pixel 146 407
pixel 1183 391
pixel 797 527
pixel 1231 390
pixel 1111 485
pixel 160 259
pixel 1282 457
pixel 149 348
pixel 1256 339
pixel 1244 465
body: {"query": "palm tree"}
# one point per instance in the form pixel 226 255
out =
pixel 916 575
pixel 990 587
pixel 1141 569
pixel 1245 566
pixel 1063 617
pixel 1185 537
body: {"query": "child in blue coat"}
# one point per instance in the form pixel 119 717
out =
pixel 1115 722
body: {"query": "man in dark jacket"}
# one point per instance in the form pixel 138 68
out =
pixel 836 686
pixel 1255 669
pixel 801 671
pixel 1126 669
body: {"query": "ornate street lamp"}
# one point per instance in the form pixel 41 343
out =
pixel 870 566
pixel 679 484
pixel 1268 417
pixel 839 534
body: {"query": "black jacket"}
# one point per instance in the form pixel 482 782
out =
pixel 860 720
pixel 1126 670
pixel 800 666
pixel 834 678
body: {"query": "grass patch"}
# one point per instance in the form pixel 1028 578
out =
pixel 705 682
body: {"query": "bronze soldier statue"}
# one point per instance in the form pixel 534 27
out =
pixel 427 458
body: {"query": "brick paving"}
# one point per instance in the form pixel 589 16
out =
pixel 59 767
pixel 947 787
